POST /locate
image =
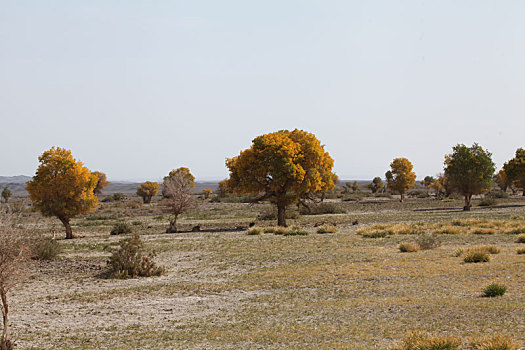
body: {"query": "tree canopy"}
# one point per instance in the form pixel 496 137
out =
pixel 400 177
pixel 515 169
pixel 176 189
pixel 284 167
pixel 147 190
pixel 62 187
pixel 468 171
pixel 102 182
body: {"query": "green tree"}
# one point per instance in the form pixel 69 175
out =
pixel 376 184
pixel 147 190
pixel 401 177
pixel 468 171
pixel 6 194
pixel 62 187
pixel 355 186
pixel 515 169
pixel 284 167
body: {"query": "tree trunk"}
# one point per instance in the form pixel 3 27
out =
pixel 468 204
pixel 5 318
pixel 402 197
pixel 147 200
pixel 281 214
pixel 173 225
pixel 65 221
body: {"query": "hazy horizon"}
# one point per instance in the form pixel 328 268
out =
pixel 136 89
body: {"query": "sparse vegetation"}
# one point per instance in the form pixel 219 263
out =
pixel 130 260
pixel 254 231
pixel 476 256
pixel 494 290
pixel 420 340
pixel 45 248
pixel 121 228
pixel 327 229
pixel 494 342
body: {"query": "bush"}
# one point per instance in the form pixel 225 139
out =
pixel 136 223
pixel 419 340
pixel 327 229
pixel 494 290
pixel 296 231
pixel 476 256
pixel 520 251
pixel 427 241
pixel 488 202
pixel 493 342
pixel 521 238
pixel 483 231
pixel 121 228
pixel 408 247
pixel 497 194
pixel 322 208
pixel 118 196
pixel 108 199
pixel 134 204
pixel 45 248
pixel 352 197
pixel 130 261
pixel 279 230
pixel 254 231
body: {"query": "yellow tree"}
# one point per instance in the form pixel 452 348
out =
pixel 62 187
pixel 284 167
pixel 147 190
pixel 207 192
pixel 102 182
pixel 401 177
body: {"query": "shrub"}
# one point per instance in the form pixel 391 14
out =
pixel 136 223
pixel 419 340
pixel 254 231
pixel 493 342
pixel 327 229
pixel 491 249
pixel 118 196
pixel 427 241
pixel 521 238
pixel 130 261
pixel 488 202
pixel 476 256
pixel 296 231
pixel 520 251
pixel 121 228
pixel 108 199
pixel 322 208
pixel 45 248
pixel 134 204
pixel 459 252
pixel 497 194
pixel 494 290
pixel 352 197
pixel 279 230
pixel 408 247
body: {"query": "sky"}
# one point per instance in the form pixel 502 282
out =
pixel 137 88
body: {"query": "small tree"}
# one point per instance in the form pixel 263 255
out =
pixel 355 186
pixel 6 194
pixel 437 187
pixel 285 167
pixel 178 199
pixel 223 189
pixel 13 257
pixel 428 181
pixel 206 193
pixel 515 169
pixel 376 184
pixel 102 182
pixel 468 171
pixel 62 187
pixel 401 177
pixel 147 190
pixel 504 183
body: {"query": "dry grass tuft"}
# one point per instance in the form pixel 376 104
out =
pixel 408 247
pixel 327 229
pixel 520 251
pixel 419 340
pixel 493 342
pixel 521 238
pixel 254 231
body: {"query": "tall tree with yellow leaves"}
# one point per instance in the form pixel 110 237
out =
pixel 400 177
pixel 284 167
pixel 62 187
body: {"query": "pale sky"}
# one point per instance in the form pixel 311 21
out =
pixel 137 88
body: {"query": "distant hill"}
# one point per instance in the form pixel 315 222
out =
pixel 17 184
